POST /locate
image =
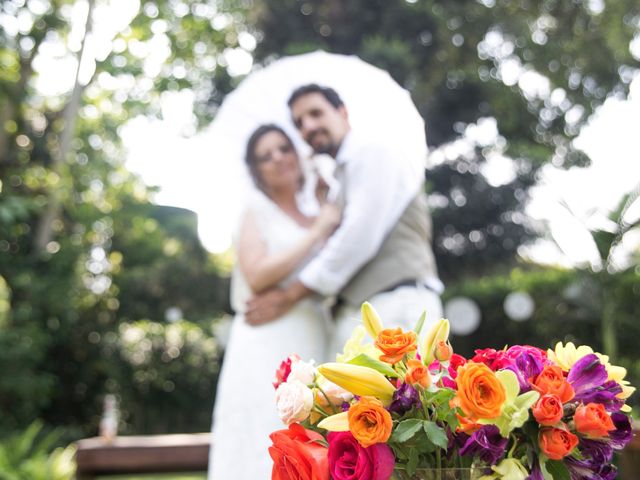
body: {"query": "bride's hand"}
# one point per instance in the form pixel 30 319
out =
pixel 322 190
pixel 327 221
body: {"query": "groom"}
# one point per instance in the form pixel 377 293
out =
pixel 381 251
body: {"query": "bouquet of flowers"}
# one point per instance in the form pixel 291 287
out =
pixel 407 402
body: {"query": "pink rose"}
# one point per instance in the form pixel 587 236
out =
pixel 348 460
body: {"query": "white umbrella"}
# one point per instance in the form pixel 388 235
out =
pixel 373 99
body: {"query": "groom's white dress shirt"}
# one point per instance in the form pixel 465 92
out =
pixel 380 182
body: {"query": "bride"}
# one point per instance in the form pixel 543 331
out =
pixel 275 241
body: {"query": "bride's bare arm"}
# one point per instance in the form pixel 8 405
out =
pixel 263 270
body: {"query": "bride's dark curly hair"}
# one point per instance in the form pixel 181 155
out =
pixel 252 160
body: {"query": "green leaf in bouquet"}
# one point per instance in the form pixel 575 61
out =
pixel 412 464
pixel 435 433
pixel 364 360
pixel 451 419
pixel 442 396
pixel 557 469
pixel 399 452
pixel 422 443
pixel 406 429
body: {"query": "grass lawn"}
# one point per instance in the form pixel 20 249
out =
pixel 157 476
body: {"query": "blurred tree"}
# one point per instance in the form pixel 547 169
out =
pixel 615 263
pixel 530 73
pixel 82 248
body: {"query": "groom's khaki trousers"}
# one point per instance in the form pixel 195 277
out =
pixel 401 307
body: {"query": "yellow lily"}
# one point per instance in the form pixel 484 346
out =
pixel 371 320
pixel 565 355
pixel 354 347
pixel 363 381
pixel 439 332
pixel 336 423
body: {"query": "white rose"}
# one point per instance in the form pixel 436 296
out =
pixel 336 395
pixel 294 401
pixel 304 372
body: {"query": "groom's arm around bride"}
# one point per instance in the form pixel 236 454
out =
pixel 381 251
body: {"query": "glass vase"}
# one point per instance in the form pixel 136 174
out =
pixel 439 474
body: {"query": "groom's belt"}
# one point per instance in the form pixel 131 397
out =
pixel 341 301
pixel 406 283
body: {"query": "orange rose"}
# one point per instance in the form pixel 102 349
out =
pixel 548 410
pixel 557 443
pixel 480 393
pixel 443 351
pixel 369 422
pixel 551 380
pixel 467 425
pixel 417 374
pixel 395 344
pixel 593 420
pixel 297 455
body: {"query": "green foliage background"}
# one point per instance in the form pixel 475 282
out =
pixel 89 265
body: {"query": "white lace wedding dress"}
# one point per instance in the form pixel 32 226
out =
pixel 245 412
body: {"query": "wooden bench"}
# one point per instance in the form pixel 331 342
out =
pixel 190 453
pixel 142 454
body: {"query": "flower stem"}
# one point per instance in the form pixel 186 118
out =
pixel 327 399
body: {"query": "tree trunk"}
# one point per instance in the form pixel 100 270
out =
pixel 52 211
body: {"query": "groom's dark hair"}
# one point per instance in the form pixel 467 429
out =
pixel 327 92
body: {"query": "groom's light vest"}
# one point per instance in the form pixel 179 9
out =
pixel 405 255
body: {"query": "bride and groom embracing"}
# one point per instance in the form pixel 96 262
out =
pixel 372 242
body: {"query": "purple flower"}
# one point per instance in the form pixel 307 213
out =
pixel 589 469
pixel 528 362
pixel 586 375
pixel 486 443
pixel 536 471
pixel 622 435
pixel 606 395
pixel 597 451
pixel 404 398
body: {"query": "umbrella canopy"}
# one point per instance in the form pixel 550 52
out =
pixel 373 99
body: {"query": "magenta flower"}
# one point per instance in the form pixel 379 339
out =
pixel 529 362
pixel 494 359
pixel 348 460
